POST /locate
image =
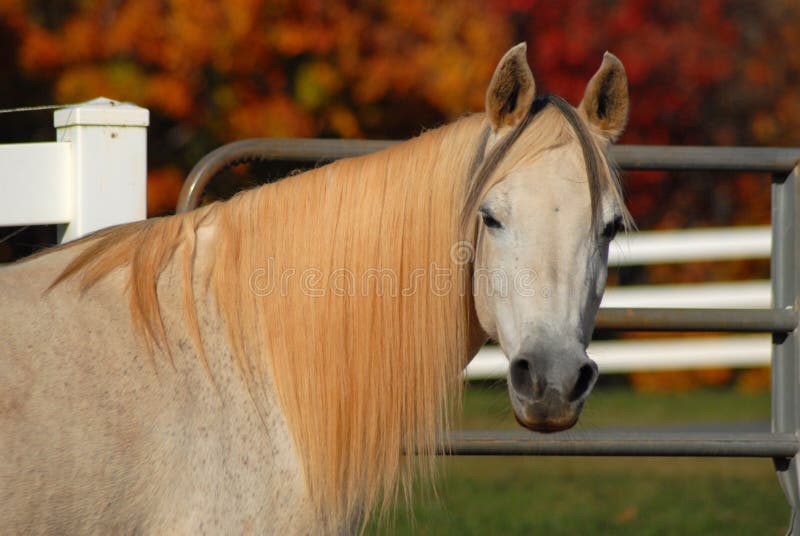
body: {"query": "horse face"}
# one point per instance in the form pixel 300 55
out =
pixel 540 273
pixel 541 265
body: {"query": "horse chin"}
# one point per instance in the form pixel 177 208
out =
pixel 547 426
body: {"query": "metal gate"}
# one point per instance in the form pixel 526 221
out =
pixel 781 444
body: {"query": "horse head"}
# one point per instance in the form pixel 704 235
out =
pixel 546 206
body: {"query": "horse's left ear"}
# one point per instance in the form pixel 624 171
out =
pixel 605 101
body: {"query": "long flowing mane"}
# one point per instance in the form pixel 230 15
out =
pixel 343 288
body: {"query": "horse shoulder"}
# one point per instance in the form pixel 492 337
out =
pixel 99 435
pixel 69 442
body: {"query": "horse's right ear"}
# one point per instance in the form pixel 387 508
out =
pixel 511 90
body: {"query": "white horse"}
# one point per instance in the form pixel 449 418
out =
pixel 244 368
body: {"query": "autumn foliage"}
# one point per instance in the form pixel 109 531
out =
pixel 711 73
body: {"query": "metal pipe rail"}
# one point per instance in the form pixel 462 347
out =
pixel 782 444
pixel 671 319
pixel 600 443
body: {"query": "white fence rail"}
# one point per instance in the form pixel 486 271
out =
pixel 658 247
pixel 710 244
pixel 94 176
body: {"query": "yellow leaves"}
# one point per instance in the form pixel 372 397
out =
pixel 315 83
pixel 764 127
pixel 84 83
pixel 224 98
pixel 127 78
pixel 117 80
pixel 754 380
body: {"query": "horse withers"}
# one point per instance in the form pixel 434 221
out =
pixel 260 365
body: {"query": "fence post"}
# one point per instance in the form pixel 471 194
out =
pixel 109 164
pixel 786 348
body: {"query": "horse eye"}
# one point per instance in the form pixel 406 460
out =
pixel 613 227
pixel 490 221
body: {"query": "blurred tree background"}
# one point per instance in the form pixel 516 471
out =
pixel 706 73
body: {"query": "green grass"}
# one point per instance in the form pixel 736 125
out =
pixel 559 495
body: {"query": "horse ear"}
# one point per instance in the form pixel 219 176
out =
pixel 605 101
pixel 512 89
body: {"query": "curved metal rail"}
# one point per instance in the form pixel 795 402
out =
pixel 631 157
pixel 267 150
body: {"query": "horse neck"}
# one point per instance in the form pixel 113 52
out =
pixel 380 365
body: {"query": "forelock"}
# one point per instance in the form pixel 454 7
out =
pixel 484 165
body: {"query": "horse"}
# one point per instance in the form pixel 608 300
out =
pixel 287 361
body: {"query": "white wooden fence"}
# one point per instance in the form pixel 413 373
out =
pixel 95 174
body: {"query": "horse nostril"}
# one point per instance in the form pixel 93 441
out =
pixel 586 376
pixel 520 376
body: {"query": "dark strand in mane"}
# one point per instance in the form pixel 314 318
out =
pixel 590 154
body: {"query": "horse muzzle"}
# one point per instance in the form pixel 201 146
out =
pixel 548 392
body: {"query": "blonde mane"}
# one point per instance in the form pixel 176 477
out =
pixel 342 286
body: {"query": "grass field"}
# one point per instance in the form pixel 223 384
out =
pixel 565 495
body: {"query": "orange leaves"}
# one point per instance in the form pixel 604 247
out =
pixel 12 12
pixel 751 380
pixel 137 29
pixel 344 123
pixel 40 52
pixel 266 62
pixel 163 188
pixel 274 117
pixel 193 30
pixel 679 380
pixel 293 38
pixel 171 94
pixel 82 39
